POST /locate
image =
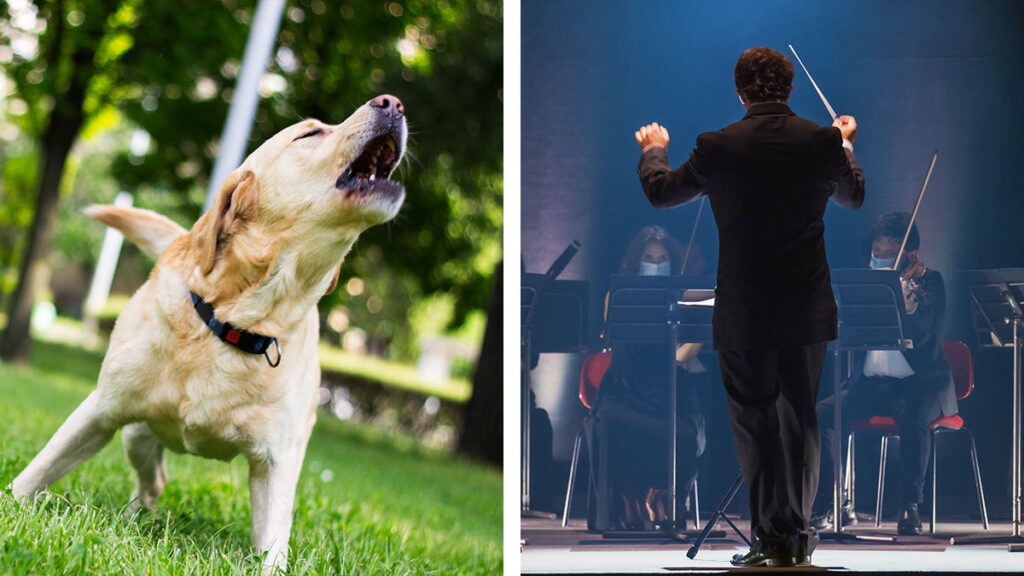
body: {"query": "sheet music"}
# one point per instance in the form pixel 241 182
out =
pixel 696 297
pixel 709 302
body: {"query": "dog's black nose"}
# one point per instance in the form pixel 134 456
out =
pixel 388 103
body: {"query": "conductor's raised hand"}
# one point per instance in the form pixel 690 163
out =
pixel 650 136
pixel 848 126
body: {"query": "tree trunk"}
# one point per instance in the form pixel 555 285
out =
pixel 56 145
pixel 65 120
pixel 482 423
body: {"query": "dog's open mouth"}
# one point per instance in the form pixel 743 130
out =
pixel 370 172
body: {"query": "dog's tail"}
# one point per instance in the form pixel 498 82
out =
pixel 147 229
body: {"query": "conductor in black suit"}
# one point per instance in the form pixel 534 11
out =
pixel 768 178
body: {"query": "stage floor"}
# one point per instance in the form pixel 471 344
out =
pixel 550 549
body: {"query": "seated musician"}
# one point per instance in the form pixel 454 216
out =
pixel 630 428
pixel 914 386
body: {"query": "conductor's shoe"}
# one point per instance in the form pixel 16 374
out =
pixel 758 556
pixel 805 545
pixel 910 523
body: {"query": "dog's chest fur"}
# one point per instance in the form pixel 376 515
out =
pixel 204 397
pixel 219 408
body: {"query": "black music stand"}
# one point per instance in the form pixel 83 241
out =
pixel 553 319
pixel 997 297
pixel 872 313
pixel 719 513
pixel 648 310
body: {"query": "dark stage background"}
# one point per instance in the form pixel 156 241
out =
pixel 918 76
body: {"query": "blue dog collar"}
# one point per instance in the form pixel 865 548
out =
pixel 241 339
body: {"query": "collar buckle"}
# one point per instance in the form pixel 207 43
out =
pixel 266 354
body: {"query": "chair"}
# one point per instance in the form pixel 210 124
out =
pixel 591 374
pixel 959 357
pixel 594 368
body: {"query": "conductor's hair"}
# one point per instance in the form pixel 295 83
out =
pixel 646 235
pixel 894 225
pixel 764 75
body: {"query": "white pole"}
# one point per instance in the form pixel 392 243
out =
pixel 104 274
pixel 262 37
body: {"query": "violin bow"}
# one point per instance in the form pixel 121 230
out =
pixel 693 234
pixel 899 255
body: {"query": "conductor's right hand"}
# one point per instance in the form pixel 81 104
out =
pixel 650 136
pixel 848 126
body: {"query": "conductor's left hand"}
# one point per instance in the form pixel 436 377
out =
pixel 650 136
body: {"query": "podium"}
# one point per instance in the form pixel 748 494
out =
pixel 657 310
pixel 553 319
pixel 997 297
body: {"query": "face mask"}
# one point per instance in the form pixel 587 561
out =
pixel 652 269
pixel 877 263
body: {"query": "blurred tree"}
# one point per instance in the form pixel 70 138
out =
pixel 481 435
pixel 64 56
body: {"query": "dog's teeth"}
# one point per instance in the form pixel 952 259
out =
pixel 391 144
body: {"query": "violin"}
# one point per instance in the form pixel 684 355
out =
pixel 912 290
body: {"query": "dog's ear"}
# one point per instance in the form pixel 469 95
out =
pixel 235 204
pixel 334 281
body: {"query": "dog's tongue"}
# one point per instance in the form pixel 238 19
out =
pixel 387 157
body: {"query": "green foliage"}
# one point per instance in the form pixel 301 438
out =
pixel 78 237
pixel 183 65
pixel 79 38
pixel 93 180
pixel 61 55
pixel 18 173
pixel 364 505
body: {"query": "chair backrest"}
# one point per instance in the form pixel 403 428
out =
pixel 594 367
pixel 959 357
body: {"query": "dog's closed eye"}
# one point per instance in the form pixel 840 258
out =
pixel 313 132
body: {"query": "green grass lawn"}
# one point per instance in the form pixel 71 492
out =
pixel 365 504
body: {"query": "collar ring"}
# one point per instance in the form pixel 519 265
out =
pixel 266 353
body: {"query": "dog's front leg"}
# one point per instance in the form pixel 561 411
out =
pixel 146 454
pixel 87 430
pixel 272 495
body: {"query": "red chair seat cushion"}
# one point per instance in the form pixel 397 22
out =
pixel 594 368
pixel 877 424
pixel 954 422
pixel 887 424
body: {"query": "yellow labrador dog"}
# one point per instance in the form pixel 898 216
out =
pixel 216 354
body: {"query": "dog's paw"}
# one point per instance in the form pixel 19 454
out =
pixel 137 506
pixel 22 493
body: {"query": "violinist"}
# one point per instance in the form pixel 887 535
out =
pixel 913 386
